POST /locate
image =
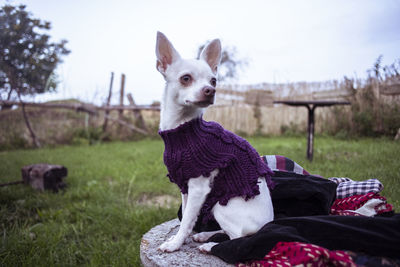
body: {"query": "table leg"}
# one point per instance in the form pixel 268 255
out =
pixel 310 139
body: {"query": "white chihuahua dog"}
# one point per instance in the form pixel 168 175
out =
pixel 190 88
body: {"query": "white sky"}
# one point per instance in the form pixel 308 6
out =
pixel 284 41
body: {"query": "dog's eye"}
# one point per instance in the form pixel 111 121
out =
pixel 186 79
pixel 213 82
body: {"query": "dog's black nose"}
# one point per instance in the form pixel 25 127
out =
pixel 208 91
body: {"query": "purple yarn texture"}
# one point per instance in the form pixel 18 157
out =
pixel 198 147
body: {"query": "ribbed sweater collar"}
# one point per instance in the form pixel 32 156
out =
pixel 182 127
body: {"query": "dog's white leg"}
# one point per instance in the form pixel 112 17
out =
pixel 184 202
pixel 198 189
pixel 204 236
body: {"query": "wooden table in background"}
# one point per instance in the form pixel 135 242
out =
pixel 311 105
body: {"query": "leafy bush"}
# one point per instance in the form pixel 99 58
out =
pixel 370 113
pixel 90 135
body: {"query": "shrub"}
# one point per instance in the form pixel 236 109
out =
pixel 370 114
pixel 90 135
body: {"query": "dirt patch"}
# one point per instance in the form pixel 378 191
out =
pixel 163 201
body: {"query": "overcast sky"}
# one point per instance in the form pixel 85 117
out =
pixel 283 41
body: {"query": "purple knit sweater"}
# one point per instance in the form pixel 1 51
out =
pixel 198 147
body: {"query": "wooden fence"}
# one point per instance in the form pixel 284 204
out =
pixel 246 110
pixel 95 111
pixel 239 115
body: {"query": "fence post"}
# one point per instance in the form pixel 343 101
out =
pixel 108 102
pixel 121 95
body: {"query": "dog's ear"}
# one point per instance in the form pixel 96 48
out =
pixel 212 54
pixel 165 52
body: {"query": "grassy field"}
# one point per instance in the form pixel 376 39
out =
pixel 113 191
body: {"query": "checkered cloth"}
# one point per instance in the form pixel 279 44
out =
pixel 284 164
pixel 347 187
pixel 339 180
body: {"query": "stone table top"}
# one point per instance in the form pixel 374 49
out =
pixel 188 255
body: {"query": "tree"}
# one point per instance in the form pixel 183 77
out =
pixel 27 57
pixel 229 65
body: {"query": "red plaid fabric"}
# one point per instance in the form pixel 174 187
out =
pixel 349 205
pixel 297 253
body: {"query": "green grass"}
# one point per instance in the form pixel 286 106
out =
pixel 99 219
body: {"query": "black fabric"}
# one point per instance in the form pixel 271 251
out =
pixel 361 259
pixel 301 195
pixel 218 238
pixel 376 236
pixel 293 195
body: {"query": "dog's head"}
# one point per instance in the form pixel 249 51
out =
pixel 190 82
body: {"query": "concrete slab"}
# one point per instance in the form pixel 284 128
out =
pixel 188 255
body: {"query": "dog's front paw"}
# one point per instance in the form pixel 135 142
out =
pixel 201 237
pixel 170 246
pixel 206 248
